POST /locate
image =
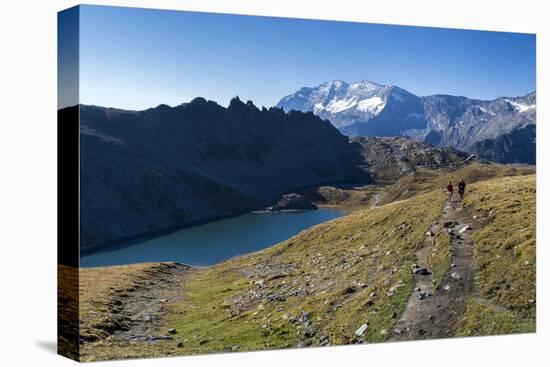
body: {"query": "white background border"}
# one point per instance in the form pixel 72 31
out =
pixel 28 180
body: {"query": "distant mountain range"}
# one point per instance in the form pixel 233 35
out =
pixel 501 130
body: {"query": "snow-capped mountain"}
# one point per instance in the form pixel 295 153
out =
pixel 501 130
pixel 339 101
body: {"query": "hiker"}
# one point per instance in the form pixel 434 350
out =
pixel 461 188
pixel 449 191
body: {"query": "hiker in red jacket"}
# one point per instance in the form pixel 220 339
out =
pixel 449 191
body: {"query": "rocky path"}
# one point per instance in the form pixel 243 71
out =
pixel 433 313
pixel 157 289
pixel 133 311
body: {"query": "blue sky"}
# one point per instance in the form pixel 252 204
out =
pixel 139 58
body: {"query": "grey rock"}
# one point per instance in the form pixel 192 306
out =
pixel 423 295
pixel 362 329
pixel 421 271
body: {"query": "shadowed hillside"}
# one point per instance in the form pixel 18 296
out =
pixel 145 171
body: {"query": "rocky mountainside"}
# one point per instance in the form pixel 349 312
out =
pixel 388 158
pixel 501 130
pixel 147 171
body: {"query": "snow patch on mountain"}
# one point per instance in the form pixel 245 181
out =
pixel 374 105
pixel 520 106
pixel 339 105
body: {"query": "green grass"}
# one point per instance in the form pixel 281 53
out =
pixel 504 255
pixel 427 180
pixel 439 257
pixel 370 251
pixel 482 319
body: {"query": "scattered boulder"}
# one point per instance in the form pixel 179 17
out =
pixel 423 295
pixel 455 275
pixel 350 290
pixel 446 287
pixel 464 229
pixel 421 271
pixel 159 337
pixel 305 319
pixel 362 329
pixel 172 331
pixel 369 303
pixel 308 329
pixel 450 224
pixel 292 202
pixel 275 297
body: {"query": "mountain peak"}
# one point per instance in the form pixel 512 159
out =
pixel 362 98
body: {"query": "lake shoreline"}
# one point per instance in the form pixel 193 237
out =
pixel 212 242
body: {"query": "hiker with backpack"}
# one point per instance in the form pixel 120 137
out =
pixel 449 191
pixel 461 188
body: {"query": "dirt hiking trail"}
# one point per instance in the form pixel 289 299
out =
pixel 433 313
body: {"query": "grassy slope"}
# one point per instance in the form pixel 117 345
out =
pixel 424 180
pixel 504 256
pixel 346 272
pixel 228 306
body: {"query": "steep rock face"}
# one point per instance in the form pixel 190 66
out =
pixel 144 171
pixel 502 129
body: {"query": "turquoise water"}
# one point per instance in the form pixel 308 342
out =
pixel 213 242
